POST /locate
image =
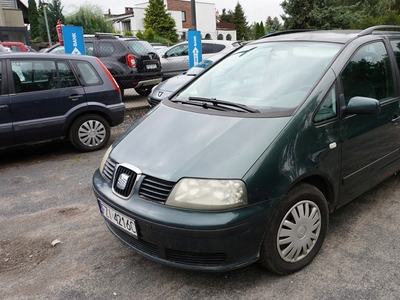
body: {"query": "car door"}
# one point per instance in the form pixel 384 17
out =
pixel 175 60
pixel 45 94
pixel 370 143
pixel 6 129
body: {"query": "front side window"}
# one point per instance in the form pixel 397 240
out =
pixel 368 74
pixel 270 77
pixel 179 50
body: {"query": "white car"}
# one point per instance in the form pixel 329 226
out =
pixel 175 59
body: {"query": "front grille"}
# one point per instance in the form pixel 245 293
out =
pixel 108 170
pixel 155 189
pixel 124 187
pixel 193 258
pixel 138 244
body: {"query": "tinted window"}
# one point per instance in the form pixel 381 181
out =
pixel 88 74
pixel 141 47
pixel 106 49
pixel 212 48
pixel 368 74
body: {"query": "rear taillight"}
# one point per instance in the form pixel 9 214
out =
pixel 131 60
pixel 109 75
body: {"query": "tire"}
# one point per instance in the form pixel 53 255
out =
pixel 291 244
pixel 89 132
pixel 144 91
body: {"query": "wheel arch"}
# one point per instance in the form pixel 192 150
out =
pixel 87 112
pixel 323 184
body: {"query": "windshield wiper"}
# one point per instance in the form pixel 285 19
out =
pixel 222 104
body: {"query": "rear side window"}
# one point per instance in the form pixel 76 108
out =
pixel 89 48
pixel 67 77
pixel 106 49
pixel 89 76
pixel 212 48
pixel 141 47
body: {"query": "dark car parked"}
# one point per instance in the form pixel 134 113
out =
pixel 246 162
pixel 133 62
pixel 50 97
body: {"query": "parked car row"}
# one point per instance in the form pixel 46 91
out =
pixel 135 63
pixel 248 159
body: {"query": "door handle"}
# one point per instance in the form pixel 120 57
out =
pixel 3 106
pixel 75 97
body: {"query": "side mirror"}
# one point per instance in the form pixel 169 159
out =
pixel 363 106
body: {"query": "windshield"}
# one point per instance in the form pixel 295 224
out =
pixel 265 76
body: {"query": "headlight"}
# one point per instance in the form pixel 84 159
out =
pixel 103 161
pixel 208 194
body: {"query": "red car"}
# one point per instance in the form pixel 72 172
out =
pixel 15 46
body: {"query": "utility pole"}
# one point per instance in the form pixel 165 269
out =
pixel 44 4
pixel 193 6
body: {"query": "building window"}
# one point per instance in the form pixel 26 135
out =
pixel 220 37
pixel 228 37
pixel 183 16
pixel 207 37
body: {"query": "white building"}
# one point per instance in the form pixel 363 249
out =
pixel 180 10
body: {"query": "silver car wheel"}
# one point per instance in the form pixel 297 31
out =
pixel 92 133
pixel 299 231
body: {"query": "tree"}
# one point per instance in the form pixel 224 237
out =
pixel 241 24
pixel 91 18
pixel 54 13
pixel 160 21
pixel 259 30
pixel 226 17
pixel 33 20
pixel 297 13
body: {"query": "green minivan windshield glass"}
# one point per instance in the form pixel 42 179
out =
pixel 269 76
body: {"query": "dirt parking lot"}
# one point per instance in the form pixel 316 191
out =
pixel 46 197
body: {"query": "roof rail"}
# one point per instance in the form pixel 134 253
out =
pixel 285 32
pixel 370 30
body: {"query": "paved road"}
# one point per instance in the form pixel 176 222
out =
pixel 46 195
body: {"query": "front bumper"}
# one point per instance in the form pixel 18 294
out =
pixel 207 241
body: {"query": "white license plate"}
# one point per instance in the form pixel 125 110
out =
pixel 118 219
pixel 150 67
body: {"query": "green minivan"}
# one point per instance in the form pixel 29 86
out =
pixel 245 162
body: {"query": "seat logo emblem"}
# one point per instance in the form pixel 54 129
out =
pixel 160 94
pixel 122 181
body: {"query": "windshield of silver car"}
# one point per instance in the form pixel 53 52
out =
pixel 276 75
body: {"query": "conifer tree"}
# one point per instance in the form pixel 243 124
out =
pixel 33 20
pixel 160 21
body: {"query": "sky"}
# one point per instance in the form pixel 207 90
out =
pixel 254 10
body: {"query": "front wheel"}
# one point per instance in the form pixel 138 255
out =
pixel 89 132
pixel 296 230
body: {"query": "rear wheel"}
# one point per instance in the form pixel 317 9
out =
pixel 144 91
pixel 89 132
pixel 296 230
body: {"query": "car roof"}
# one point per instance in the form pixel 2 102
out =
pixel 337 36
pixel 25 55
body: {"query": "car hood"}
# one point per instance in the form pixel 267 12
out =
pixel 171 143
pixel 167 87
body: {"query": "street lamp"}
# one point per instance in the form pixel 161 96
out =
pixel 44 4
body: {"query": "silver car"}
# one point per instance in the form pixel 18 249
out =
pixel 175 59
